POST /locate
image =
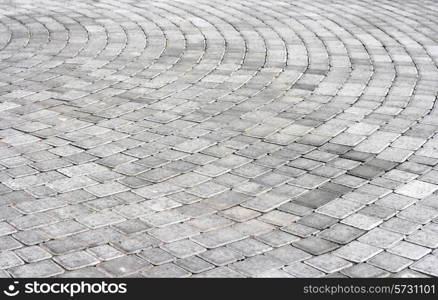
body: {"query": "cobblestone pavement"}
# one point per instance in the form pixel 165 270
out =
pixel 254 138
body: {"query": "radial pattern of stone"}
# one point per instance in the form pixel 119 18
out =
pixel 240 138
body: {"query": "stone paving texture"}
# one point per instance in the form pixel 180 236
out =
pixel 250 138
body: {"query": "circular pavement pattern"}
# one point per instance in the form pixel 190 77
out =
pixel 247 139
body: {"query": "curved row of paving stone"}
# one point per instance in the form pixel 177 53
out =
pixel 183 138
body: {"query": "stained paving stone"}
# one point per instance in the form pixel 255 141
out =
pixel 143 147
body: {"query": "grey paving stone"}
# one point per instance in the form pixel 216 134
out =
pixel 328 263
pixel 315 245
pixel 143 135
pixel 300 269
pixel 250 247
pixel 221 256
pixel 168 270
pixel 8 260
pixel 41 269
pixel 257 265
pixel 427 265
pixel 277 238
pixel 390 262
pixel 184 248
pixel 33 254
pixel 365 270
pixel 194 264
pixel 341 234
pixel 124 266
pixel 105 252
pixel 380 238
pixel 357 251
pixel 76 260
pixel 409 250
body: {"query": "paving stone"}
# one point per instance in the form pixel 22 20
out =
pixel 184 248
pixel 124 266
pixel 221 256
pixel 277 238
pixel 400 225
pixel 168 270
pixel 365 270
pixel 341 234
pixel 8 260
pixel 390 262
pixel 76 260
pixel 380 238
pixel 194 264
pixel 424 238
pixel 417 189
pixel 257 265
pixel 357 251
pixel 318 221
pixel 340 208
pixel 33 254
pixel 300 230
pixel 220 272
pixel 409 250
pixel 41 269
pixel 427 265
pixel 315 245
pixel 328 263
pixel 105 252
pixel 250 247
pixel 171 141
pixel 302 270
